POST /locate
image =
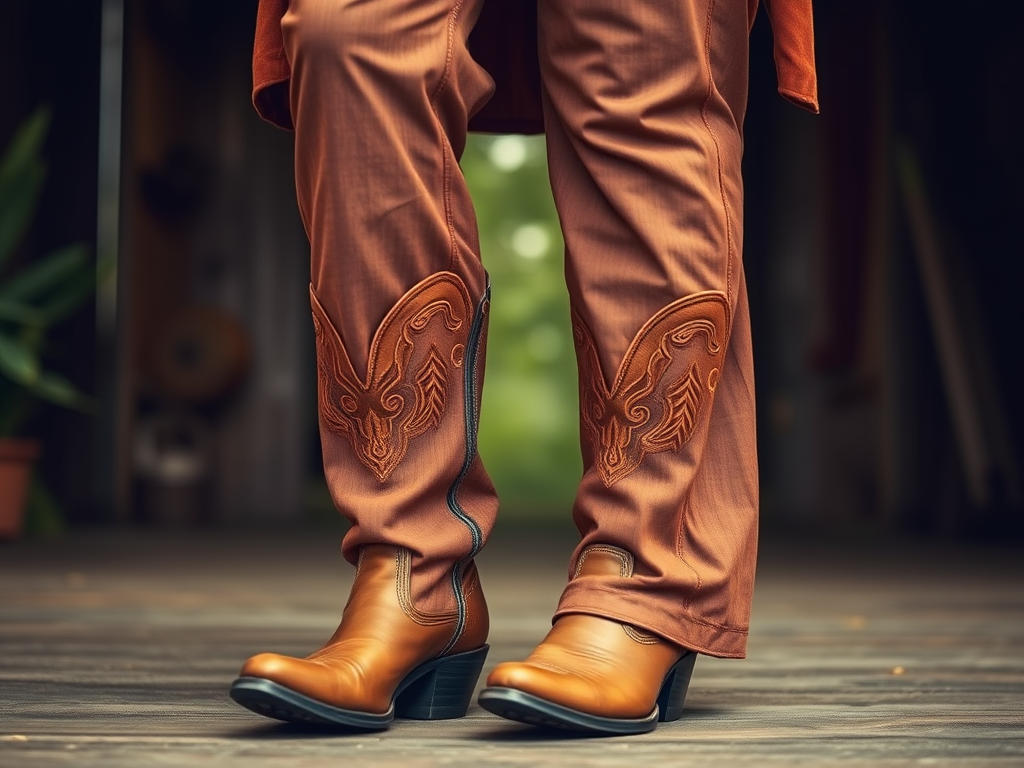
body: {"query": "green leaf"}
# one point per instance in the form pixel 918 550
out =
pixel 17 207
pixel 26 147
pixel 69 299
pixel 77 290
pixel 17 312
pixel 22 172
pixel 18 361
pixel 46 273
pixel 43 516
pixel 57 389
pixel 16 407
pixel 32 338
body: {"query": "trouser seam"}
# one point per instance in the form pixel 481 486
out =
pixel 446 150
pixel 718 149
pixel 728 275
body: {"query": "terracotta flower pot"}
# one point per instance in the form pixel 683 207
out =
pixel 17 457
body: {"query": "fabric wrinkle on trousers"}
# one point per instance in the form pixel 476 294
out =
pixel 644 104
pixel 380 96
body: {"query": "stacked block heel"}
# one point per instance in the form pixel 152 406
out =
pixel 673 690
pixel 444 690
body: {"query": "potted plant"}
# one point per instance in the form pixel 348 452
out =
pixel 35 294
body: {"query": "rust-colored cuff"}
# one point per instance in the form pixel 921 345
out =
pixel 270 68
pixel 793 31
pixel 687 631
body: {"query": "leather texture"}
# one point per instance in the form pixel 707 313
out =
pixel 591 664
pixel 381 638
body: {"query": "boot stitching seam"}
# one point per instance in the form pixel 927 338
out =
pixel 470 418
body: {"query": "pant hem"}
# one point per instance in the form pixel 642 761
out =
pixel 686 631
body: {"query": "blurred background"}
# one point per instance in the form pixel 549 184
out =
pixel 177 388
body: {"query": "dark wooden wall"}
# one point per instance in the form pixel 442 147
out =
pixel 884 260
pixel 209 221
pixel 860 421
pixel 207 218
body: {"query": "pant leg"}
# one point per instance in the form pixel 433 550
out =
pixel 644 103
pixel 381 94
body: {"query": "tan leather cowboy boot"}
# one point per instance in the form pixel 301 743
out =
pixel 385 660
pixel 594 674
pixel 400 458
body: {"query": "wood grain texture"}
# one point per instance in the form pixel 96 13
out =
pixel 116 649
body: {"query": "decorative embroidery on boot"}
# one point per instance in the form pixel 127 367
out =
pixel 639 636
pixel 600 557
pixel 403 585
pixel 414 353
pixel 623 558
pixel 663 387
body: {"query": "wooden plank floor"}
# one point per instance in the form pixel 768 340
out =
pixel 116 649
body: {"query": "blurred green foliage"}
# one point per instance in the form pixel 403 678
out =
pixel 37 294
pixel 529 422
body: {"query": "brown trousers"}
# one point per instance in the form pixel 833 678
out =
pixel 644 104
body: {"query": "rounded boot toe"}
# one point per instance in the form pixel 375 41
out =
pixel 270 666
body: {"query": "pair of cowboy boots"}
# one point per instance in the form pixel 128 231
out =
pixel 388 660
pixel 643 104
pixel 400 452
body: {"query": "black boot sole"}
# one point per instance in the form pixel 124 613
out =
pixel 438 689
pixel 513 704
